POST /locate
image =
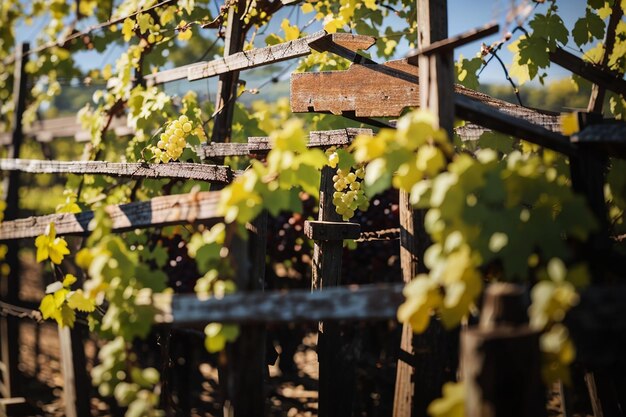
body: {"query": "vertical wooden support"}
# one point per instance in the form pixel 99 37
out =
pixel 596 100
pixel 434 364
pixel 336 370
pixel 246 362
pixel 588 172
pixel 227 83
pixel 76 385
pixel 501 359
pixel 10 284
pixel 436 71
pixel 411 222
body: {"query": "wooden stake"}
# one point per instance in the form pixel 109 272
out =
pixel 76 384
pixel 244 376
pixel 501 359
pixel 336 370
pixel 227 84
pixel 10 285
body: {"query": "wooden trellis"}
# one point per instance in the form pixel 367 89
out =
pixel 365 91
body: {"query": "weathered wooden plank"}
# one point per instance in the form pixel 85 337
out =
pixel 608 137
pixel 479 113
pixel 159 211
pixel 502 360
pixel 218 149
pixel 589 71
pixel 334 348
pixel 325 230
pixel 64 127
pixel 228 81
pixel 174 74
pixel 453 42
pixel 254 58
pixel 596 99
pixel 367 302
pixel 182 170
pixel 255 145
pixel 339 137
pixel 247 355
pixel 435 354
pixel 384 91
pixel 10 282
pixel 259 144
pixel 368 90
pixel 345 45
pixel 75 380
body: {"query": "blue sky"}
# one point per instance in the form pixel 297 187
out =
pixel 462 14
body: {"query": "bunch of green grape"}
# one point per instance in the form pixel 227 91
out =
pixel 349 194
pixel 172 142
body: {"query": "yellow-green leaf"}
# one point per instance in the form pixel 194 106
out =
pixel 78 301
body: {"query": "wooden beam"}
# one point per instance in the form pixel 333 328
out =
pixel 159 211
pixel 325 230
pixel 249 59
pixel 228 82
pixel 366 302
pixel 435 355
pixel 501 359
pixel 596 99
pixel 334 347
pixel 64 127
pixel 389 89
pixel 10 281
pixel 75 379
pixel 345 45
pixel 451 43
pixel 220 150
pixel 181 170
pixel 482 114
pixel 368 90
pixel 589 71
pixel 257 145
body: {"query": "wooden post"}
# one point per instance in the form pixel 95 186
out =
pixel 227 83
pixel 245 376
pixel 501 359
pixel 336 370
pixel 411 252
pixel 76 385
pixel 588 177
pixel 434 364
pixel 10 285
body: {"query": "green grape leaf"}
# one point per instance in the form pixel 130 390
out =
pixel 551 28
pixel 588 28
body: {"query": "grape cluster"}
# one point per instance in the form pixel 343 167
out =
pixel 349 194
pixel 173 141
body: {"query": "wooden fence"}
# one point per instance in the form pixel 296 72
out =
pixel 354 94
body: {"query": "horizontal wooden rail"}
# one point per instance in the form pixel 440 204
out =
pixel 590 71
pixel 454 42
pixel 257 145
pixel 340 43
pixel 159 211
pixel 182 170
pixel 486 116
pixel 238 61
pixel 611 136
pixel 65 127
pixel 368 302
